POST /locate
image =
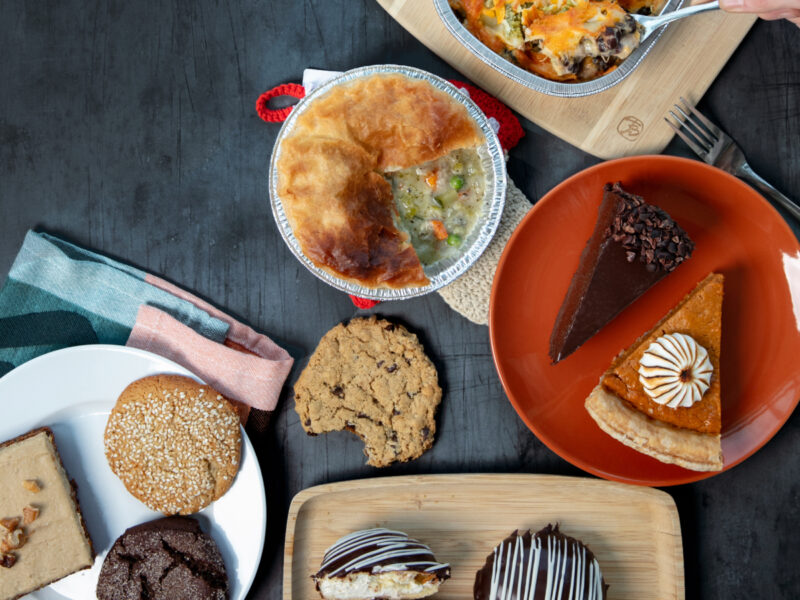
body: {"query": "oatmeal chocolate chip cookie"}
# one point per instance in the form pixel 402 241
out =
pixel 371 377
pixel 175 443
pixel 166 559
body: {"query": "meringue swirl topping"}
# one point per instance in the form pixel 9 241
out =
pixel 675 370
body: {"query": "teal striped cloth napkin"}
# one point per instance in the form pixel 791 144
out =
pixel 58 295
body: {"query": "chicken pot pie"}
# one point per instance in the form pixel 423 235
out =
pixel 380 176
pixel 560 40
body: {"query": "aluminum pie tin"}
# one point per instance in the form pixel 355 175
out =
pixel 540 84
pixel 443 271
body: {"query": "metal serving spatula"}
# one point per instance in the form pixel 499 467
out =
pixel 647 24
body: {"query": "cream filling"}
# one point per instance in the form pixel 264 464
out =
pixel 392 585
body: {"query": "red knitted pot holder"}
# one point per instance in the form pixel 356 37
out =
pixel 509 134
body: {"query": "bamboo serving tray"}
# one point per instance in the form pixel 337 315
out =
pixel 624 120
pixel 633 531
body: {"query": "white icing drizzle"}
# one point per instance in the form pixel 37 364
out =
pixel 551 561
pixel 675 370
pixel 390 545
pixel 514 578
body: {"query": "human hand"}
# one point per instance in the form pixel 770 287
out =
pixel 766 9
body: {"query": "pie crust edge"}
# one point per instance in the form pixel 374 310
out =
pixel 669 444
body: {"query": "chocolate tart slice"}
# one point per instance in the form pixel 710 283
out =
pixel 542 565
pixel 641 409
pixel 379 563
pixel 633 246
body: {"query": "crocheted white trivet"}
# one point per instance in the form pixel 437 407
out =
pixel 469 294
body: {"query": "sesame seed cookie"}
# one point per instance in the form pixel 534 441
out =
pixel 371 377
pixel 175 443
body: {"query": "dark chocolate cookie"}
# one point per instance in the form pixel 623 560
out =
pixel 165 559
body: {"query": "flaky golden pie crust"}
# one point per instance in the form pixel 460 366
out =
pixel 667 443
pixel 330 173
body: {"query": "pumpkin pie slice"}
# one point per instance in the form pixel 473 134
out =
pixel 661 396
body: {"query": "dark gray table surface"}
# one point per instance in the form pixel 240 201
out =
pixel 129 127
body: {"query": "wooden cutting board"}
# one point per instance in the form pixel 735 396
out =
pixel 625 119
pixel 633 531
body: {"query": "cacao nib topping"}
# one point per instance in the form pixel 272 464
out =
pixel 647 232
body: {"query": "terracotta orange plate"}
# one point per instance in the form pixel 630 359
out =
pixel 736 232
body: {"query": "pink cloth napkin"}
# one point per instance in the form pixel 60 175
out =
pixel 248 368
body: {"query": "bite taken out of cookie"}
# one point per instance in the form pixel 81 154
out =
pixel 371 377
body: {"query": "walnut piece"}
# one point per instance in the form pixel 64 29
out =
pixel 29 514
pixel 9 524
pixel 32 486
pixel 15 539
pixel 7 560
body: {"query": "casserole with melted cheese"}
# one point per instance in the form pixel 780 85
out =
pixel 560 40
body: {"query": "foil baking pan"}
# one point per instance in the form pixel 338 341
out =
pixel 443 271
pixel 540 84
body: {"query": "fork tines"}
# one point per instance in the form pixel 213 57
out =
pixel 694 129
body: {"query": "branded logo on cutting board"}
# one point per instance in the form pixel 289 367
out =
pixel 630 128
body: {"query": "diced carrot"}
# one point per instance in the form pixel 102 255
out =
pixel 431 179
pixel 439 230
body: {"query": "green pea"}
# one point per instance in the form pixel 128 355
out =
pixel 456 182
pixel 453 240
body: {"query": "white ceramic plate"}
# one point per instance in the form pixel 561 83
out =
pixel 72 391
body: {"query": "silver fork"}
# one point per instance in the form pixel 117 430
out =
pixel 717 148
pixel 648 24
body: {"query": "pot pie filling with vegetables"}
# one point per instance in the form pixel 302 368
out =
pixel 561 40
pixel 382 176
pixel 439 202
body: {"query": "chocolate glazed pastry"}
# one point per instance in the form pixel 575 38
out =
pixel 546 565
pixel 379 563
pixel 633 246
pixel 165 559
